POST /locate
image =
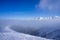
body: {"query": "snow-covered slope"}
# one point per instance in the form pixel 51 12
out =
pixel 29 29
pixel 18 36
pixel 8 34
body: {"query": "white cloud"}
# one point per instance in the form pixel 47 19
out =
pixel 51 5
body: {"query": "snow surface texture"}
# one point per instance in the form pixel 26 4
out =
pixel 8 34
pixel 30 30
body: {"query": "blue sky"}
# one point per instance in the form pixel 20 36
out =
pixel 28 8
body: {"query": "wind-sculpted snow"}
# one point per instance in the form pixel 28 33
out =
pixel 30 29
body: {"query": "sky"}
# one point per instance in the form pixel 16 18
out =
pixel 29 8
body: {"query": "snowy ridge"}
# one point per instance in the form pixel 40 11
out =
pixel 10 34
pixel 18 36
pixel 29 29
pixel 45 18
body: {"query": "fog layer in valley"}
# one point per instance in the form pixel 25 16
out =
pixel 38 29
